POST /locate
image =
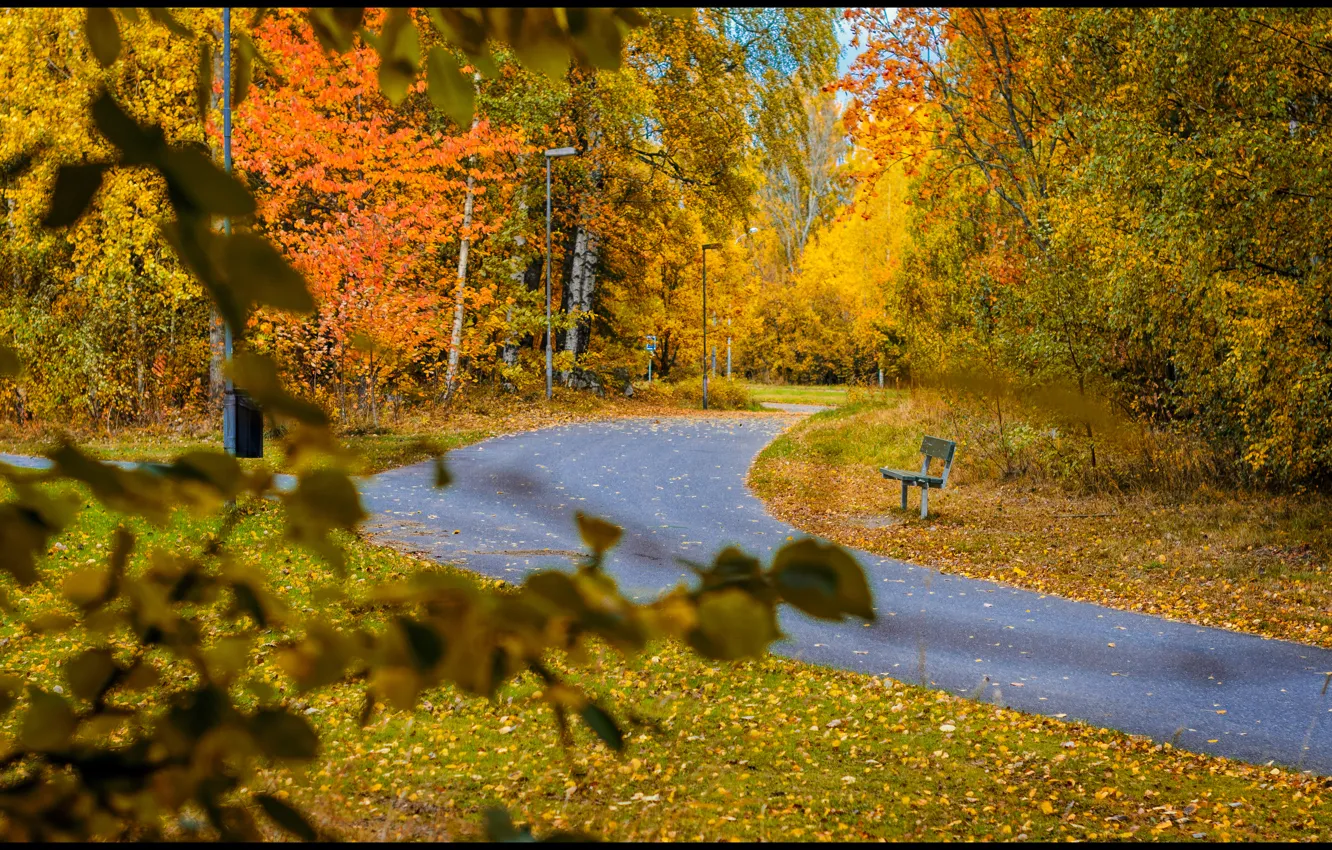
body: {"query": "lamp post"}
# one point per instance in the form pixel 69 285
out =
pixel 550 154
pixel 728 349
pixel 705 320
pixel 242 423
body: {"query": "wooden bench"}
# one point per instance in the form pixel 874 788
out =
pixel 930 447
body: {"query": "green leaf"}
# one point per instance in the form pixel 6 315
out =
pixel 460 28
pixel 286 817
pixel 168 20
pixel 823 580
pixel 399 52
pixel 425 644
pixel 49 722
pixel 280 734
pixel 258 273
pixel 331 495
pixel 138 145
pixel 499 827
pixel 598 36
pixel 247 601
pixel 217 469
pixel 451 91
pixel 336 28
pixel 558 588
pixel 205 184
pixel 257 375
pixel 90 673
pixel 545 56
pixel 732 624
pixel 601 723
pixel 442 476
pixel 74 189
pixel 203 78
pixel 103 35
pixel 242 68
pixel 598 534
pixel 11 366
pixel 9 686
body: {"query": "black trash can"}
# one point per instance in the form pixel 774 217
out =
pixel 242 425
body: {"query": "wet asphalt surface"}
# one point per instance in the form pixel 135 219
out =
pixel 677 487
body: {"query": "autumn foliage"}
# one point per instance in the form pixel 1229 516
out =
pixel 1129 203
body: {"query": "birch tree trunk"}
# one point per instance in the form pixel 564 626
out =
pixel 460 292
pixel 582 284
pixel 459 297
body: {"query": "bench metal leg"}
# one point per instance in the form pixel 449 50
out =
pixel 924 501
pixel 904 495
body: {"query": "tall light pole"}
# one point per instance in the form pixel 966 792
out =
pixel 242 436
pixel 705 320
pixel 550 154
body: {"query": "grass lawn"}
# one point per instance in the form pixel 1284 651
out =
pixel 769 749
pixel 1255 562
pixel 828 394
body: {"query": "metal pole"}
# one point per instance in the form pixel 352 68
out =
pixel 228 402
pixel 548 262
pixel 705 327
pixel 226 134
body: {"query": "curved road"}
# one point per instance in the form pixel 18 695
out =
pixel 678 488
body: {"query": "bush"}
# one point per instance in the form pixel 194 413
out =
pixel 723 393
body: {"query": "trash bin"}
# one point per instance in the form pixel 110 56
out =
pixel 242 425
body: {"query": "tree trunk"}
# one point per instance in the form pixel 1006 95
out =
pixel 582 284
pixel 217 353
pixel 459 297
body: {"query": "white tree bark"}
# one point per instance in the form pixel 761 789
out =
pixel 459 296
pixel 460 291
pixel 582 283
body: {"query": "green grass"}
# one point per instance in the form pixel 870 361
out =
pixel 769 749
pixel 830 395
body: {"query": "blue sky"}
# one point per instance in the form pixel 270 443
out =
pixel 844 39
pixel 848 55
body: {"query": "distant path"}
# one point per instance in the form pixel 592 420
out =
pixel 785 407
pixel 677 486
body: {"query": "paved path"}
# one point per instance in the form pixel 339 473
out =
pixel 677 486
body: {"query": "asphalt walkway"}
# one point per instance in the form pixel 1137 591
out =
pixel 677 486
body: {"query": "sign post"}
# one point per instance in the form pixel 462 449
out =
pixel 651 348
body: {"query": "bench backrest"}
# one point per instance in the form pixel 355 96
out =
pixel 931 447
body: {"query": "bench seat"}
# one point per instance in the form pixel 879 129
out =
pixel 930 447
pixel 912 478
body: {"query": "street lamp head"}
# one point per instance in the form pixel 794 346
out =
pixel 554 152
